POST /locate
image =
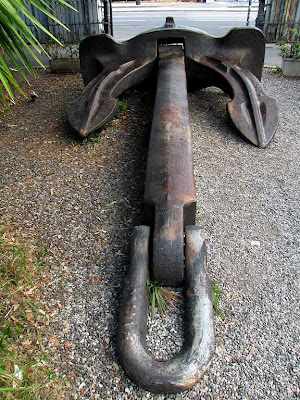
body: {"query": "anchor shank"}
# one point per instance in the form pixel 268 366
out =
pixel 170 198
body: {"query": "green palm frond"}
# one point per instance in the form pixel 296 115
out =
pixel 17 41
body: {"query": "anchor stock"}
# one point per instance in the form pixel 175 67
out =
pixel 169 246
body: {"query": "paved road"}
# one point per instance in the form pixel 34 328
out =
pixel 216 19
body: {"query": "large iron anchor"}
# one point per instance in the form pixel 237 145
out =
pixel 169 246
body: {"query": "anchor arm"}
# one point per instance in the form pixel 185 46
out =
pixel 98 102
pixel 253 113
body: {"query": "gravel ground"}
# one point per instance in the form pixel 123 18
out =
pixel 83 200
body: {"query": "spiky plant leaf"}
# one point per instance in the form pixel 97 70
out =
pixel 17 41
pixel 165 299
pixel 216 292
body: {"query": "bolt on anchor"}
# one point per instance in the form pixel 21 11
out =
pixel 169 245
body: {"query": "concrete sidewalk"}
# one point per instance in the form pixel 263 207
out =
pixel 272 59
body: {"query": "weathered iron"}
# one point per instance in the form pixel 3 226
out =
pixel 170 196
pixel 233 63
pixel 169 247
pixel 188 366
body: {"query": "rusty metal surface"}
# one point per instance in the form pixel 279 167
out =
pixel 170 196
pixel 233 62
pixel 185 369
pixel 98 103
pixel 171 248
pixel 253 113
pixel 241 46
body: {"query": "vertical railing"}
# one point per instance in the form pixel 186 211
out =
pixel 92 17
pixel 107 16
pixel 280 15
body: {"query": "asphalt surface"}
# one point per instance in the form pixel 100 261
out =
pixel 214 18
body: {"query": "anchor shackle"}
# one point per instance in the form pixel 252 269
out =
pixel 185 369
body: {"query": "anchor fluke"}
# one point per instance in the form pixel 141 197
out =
pixel 98 103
